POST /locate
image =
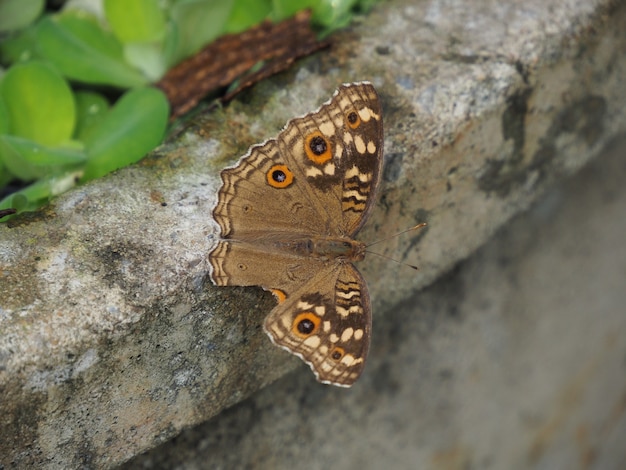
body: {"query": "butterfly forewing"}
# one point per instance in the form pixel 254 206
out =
pixel 338 152
pixel 248 204
pixel 318 176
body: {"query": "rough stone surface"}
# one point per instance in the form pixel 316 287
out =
pixel 112 340
pixel 514 360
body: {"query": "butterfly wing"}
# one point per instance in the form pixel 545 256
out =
pixel 237 263
pixel 251 201
pixel 327 324
pixel 330 297
pixel 338 152
pixel 318 177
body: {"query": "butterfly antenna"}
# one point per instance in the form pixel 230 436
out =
pixel 393 259
pixel 417 227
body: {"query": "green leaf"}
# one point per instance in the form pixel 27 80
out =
pixel 20 47
pixel 133 127
pixel 76 43
pixel 13 201
pixel 147 57
pixel 141 26
pixel 39 103
pixel 5 175
pixel 170 45
pixel 4 117
pixel 283 9
pixel 333 14
pixel 17 14
pixel 135 20
pixel 91 107
pixel 246 14
pixel 330 14
pixel 198 23
pixel 28 160
pixel 38 193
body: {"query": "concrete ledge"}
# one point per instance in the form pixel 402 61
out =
pixel 111 339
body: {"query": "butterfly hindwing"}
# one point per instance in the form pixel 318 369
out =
pixel 327 323
pixel 237 263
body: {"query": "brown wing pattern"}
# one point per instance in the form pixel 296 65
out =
pixel 246 264
pixel 248 205
pixel 329 162
pixel 326 323
pixel 338 150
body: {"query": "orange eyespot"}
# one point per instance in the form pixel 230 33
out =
pixel 279 294
pixel 318 148
pixel 306 324
pixel 353 119
pixel 337 353
pixel 279 176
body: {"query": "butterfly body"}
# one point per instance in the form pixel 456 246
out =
pixel 322 248
pixel 288 213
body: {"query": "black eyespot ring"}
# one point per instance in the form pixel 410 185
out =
pixel 318 148
pixel 306 326
pixel 279 176
pixel 318 145
pixel 353 119
pixel 337 353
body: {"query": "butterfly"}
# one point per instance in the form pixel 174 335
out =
pixel 288 212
